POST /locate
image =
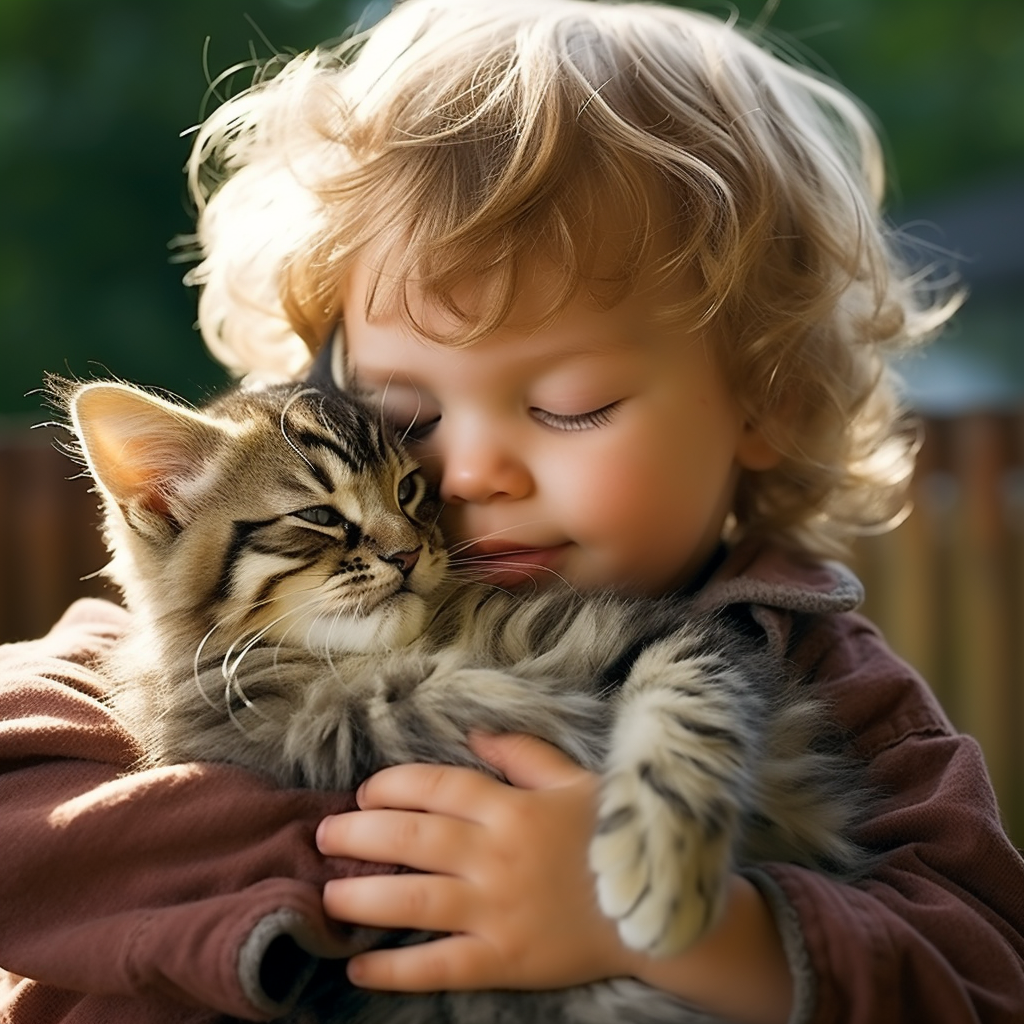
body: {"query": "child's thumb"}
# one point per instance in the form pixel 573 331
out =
pixel 525 761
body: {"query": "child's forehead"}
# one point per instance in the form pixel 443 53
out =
pixel 533 286
pixel 584 337
pixel 585 312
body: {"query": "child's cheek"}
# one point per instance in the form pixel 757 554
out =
pixel 602 497
pixel 641 519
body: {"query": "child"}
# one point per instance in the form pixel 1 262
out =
pixel 621 277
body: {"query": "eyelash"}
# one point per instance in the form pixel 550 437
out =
pixel 567 422
pixel 414 432
pixel 576 421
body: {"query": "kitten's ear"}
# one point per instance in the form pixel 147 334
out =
pixel 140 448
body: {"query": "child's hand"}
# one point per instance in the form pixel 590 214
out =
pixel 505 873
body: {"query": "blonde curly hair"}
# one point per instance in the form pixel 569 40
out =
pixel 462 139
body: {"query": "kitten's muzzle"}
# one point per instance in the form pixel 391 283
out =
pixel 405 561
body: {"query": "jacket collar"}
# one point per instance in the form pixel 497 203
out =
pixel 773 577
pixel 773 583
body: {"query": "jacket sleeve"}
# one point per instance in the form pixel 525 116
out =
pixel 936 932
pixel 189 885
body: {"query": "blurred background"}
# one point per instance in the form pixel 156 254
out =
pixel 94 99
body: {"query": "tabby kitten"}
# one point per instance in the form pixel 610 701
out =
pixel 294 613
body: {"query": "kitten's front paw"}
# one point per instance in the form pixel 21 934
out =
pixel 660 870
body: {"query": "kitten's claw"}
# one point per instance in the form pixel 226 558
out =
pixel 660 872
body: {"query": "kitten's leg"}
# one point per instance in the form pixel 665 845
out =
pixel 672 792
pixel 429 719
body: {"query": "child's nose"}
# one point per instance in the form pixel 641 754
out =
pixel 479 469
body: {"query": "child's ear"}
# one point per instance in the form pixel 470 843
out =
pixel 142 449
pixel 754 450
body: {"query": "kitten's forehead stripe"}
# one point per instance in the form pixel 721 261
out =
pixel 302 490
pixel 308 439
pixel 379 441
pixel 321 475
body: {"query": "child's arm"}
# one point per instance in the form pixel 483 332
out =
pixel 144 890
pixel 935 934
pixel 507 873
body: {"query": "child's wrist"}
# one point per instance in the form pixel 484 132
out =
pixel 744 944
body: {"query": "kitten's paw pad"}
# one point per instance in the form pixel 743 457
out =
pixel 660 872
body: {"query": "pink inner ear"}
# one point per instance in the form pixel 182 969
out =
pixel 139 468
pixel 129 469
pixel 155 501
pixel 145 488
pixel 140 448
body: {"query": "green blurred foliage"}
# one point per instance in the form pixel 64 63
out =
pixel 945 78
pixel 93 98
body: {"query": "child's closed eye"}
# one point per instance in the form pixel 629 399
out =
pixel 576 421
pixel 417 430
pixel 412 415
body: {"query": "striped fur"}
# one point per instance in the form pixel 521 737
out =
pixel 294 613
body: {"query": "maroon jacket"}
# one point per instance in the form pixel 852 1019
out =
pixel 184 894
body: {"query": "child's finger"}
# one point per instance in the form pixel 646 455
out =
pixel 454 962
pixel 527 762
pixel 423 842
pixel 432 903
pixel 439 789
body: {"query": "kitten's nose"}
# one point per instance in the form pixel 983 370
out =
pixel 405 560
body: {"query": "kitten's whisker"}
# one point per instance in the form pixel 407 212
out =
pixel 229 668
pixel 416 415
pixel 465 569
pixel 383 399
pixel 284 426
pixel 385 425
pixel 328 654
pixel 297 612
pixel 299 615
pixel 481 583
pixel 456 549
pixel 196 675
pixel 313 622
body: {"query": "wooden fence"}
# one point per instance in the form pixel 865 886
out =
pixel 50 547
pixel 947 586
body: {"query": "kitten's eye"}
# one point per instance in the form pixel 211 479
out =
pixel 320 515
pixel 409 487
